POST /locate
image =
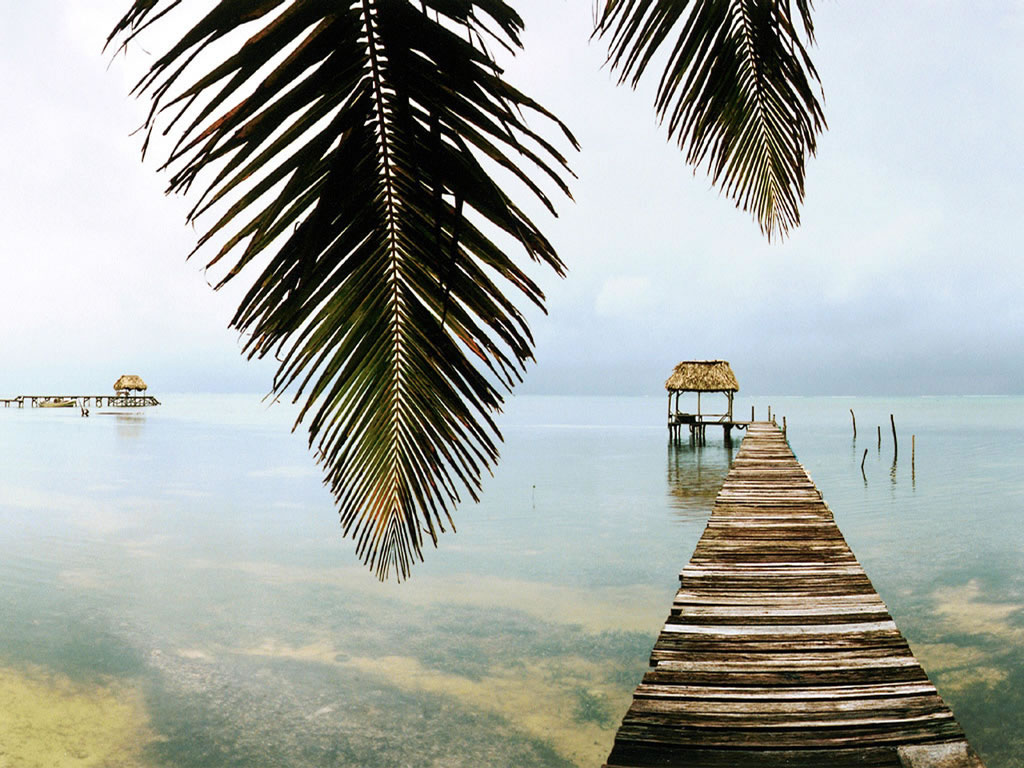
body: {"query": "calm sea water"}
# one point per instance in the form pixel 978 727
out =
pixel 174 589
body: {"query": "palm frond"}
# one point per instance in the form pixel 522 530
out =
pixel 738 91
pixel 345 146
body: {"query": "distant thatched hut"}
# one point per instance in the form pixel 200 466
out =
pixel 126 384
pixel 702 376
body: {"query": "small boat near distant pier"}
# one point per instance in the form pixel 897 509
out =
pixel 57 402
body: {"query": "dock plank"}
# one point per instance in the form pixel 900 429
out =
pixel 777 650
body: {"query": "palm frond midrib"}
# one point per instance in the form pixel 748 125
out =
pixel 389 491
pixel 755 82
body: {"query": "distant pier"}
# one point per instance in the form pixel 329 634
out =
pixel 778 651
pixel 82 401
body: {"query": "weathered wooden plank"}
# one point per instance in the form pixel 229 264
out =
pixel 653 729
pixel 726 598
pixel 755 694
pixel 670 644
pixel 630 755
pixel 826 612
pixel 792 714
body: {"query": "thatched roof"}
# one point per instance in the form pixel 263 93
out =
pixel 129 382
pixel 702 376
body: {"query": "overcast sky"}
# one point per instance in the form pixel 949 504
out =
pixel 904 278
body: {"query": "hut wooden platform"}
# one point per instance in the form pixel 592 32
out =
pixel 778 651
pixel 123 400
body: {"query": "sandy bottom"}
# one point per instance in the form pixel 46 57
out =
pixel 48 721
pixel 549 699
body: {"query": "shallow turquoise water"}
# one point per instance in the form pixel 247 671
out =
pixel 186 561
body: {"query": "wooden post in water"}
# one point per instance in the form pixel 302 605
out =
pixel 751 413
pixel 879 437
pixel 895 445
pixel 854 424
pixel 862 460
pixel 913 449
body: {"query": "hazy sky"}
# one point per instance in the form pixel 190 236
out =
pixel 904 278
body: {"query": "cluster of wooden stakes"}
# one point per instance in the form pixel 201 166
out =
pixel 895 446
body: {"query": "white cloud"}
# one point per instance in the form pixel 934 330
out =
pixel 625 296
pixel 289 472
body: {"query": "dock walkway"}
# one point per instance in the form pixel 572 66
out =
pixel 111 401
pixel 778 651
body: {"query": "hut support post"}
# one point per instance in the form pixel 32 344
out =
pixel 730 394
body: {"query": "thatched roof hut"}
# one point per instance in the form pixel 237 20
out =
pixel 127 383
pixel 702 376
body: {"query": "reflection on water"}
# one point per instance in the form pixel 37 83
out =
pixel 130 425
pixel 695 475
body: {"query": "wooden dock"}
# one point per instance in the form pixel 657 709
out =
pixel 778 651
pixel 698 425
pixel 83 401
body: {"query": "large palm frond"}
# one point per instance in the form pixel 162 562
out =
pixel 345 144
pixel 738 91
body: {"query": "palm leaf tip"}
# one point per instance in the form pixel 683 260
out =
pixel 738 91
pixel 346 149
